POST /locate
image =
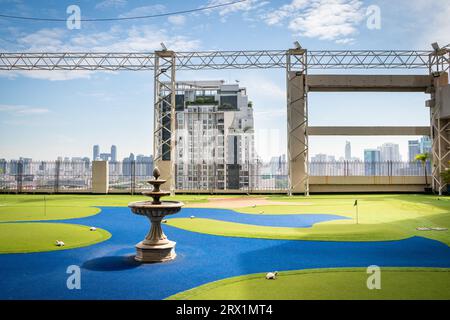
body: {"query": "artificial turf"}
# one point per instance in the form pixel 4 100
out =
pixel 35 237
pixel 33 207
pixel 381 217
pixel 328 284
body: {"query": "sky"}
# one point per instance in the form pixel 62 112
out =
pixel 44 115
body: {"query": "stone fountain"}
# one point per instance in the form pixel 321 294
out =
pixel 155 247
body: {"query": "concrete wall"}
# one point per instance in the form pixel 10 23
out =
pixel 100 177
pixel 367 184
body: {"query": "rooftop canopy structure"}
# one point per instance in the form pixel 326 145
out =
pixel 432 78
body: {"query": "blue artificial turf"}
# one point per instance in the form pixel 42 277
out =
pixel 109 271
pixel 273 220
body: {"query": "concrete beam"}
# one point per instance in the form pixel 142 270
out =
pixel 324 184
pixel 369 131
pixel 369 83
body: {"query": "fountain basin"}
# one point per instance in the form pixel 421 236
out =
pixel 155 247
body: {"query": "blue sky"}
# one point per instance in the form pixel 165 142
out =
pixel 48 114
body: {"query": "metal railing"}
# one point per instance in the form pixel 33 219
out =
pixel 360 168
pixel 50 176
pixel 129 176
pixel 132 176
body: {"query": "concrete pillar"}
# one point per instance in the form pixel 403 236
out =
pixel 297 123
pixel 100 177
pixel 440 124
pixel 165 167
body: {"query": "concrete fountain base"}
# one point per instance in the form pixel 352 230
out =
pixel 155 253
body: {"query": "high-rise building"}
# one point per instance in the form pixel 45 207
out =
pixel 113 153
pixel 104 156
pixel 96 152
pixel 389 152
pixel 372 159
pixel 413 149
pixel 425 144
pixel 144 165
pixel 348 151
pixel 215 136
pixel 127 165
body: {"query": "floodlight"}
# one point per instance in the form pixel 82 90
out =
pixel 297 45
pixel 163 46
pixel 435 46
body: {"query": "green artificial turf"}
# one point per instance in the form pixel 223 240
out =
pixel 344 231
pixel 36 237
pixel 34 207
pixel 381 217
pixel 328 284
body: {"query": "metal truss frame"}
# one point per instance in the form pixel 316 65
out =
pixel 164 110
pixel 438 133
pixel 439 63
pixel 258 59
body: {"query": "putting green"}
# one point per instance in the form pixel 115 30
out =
pixel 343 231
pixel 33 207
pixel 381 217
pixel 35 213
pixel 328 284
pixel 36 237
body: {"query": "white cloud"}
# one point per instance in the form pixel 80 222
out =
pixel 144 11
pixel 21 110
pixel 335 20
pixel 110 4
pixel 177 20
pixel 245 6
pixel 435 25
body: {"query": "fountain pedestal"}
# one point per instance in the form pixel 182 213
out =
pixel 155 247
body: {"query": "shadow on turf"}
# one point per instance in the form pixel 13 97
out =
pixel 111 263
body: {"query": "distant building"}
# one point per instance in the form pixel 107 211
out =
pixel 413 149
pixel 3 166
pixel 372 158
pixel 389 152
pixel 348 151
pixel 425 144
pixel 144 165
pixel 127 164
pixel 322 165
pixel 96 152
pixel 105 156
pixel 113 153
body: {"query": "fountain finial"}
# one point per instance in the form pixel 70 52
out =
pixel 156 193
pixel 156 173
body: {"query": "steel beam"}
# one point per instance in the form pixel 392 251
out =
pixel 256 59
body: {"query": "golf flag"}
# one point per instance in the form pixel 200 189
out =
pixel 357 216
pixel 356 203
